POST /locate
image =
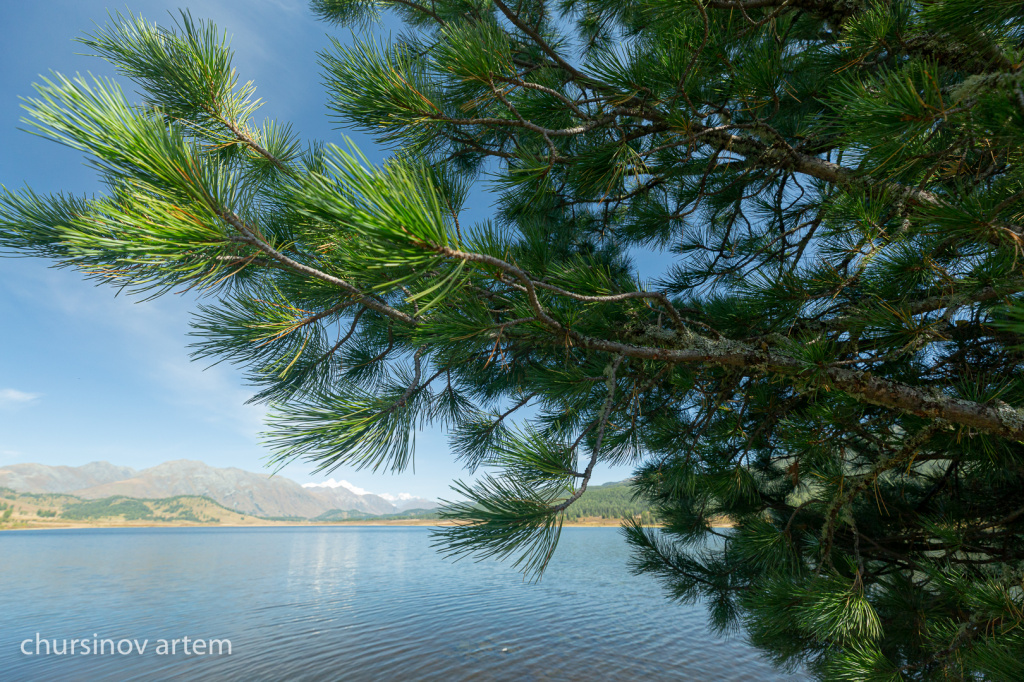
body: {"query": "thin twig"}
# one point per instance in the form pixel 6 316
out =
pixel 606 411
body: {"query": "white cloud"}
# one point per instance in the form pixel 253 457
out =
pixel 9 397
pixel 331 483
pixel 400 497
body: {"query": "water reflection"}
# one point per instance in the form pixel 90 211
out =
pixel 352 603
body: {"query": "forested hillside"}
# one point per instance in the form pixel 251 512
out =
pixel 609 501
pixel 40 510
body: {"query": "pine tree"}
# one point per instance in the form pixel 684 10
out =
pixel 832 362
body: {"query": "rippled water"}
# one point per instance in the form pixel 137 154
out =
pixel 345 603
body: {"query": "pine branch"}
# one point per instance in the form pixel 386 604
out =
pixel 242 136
pixel 536 37
pixel 346 337
pixel 1000 419
pixel 249 236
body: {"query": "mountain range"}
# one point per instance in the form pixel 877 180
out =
pixel 243 491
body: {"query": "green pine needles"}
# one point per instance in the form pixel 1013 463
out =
pixel 830 357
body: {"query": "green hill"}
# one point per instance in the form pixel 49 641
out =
pixel 344 515
pixel 609 501
pixel 20 510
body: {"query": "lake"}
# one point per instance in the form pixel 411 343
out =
pixel 341 603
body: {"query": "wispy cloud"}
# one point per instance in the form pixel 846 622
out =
pixel 12 397
pixel 156 333
pixel 290 6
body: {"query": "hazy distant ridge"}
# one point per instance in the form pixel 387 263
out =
pixel 40 478
pixel 242 491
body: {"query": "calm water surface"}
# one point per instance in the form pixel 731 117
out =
pixel 346 603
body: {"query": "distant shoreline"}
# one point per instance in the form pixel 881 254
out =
pixel 103 495
pixel 275 524
pixel 256 523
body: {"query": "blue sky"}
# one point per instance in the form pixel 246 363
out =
pixel 87 376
